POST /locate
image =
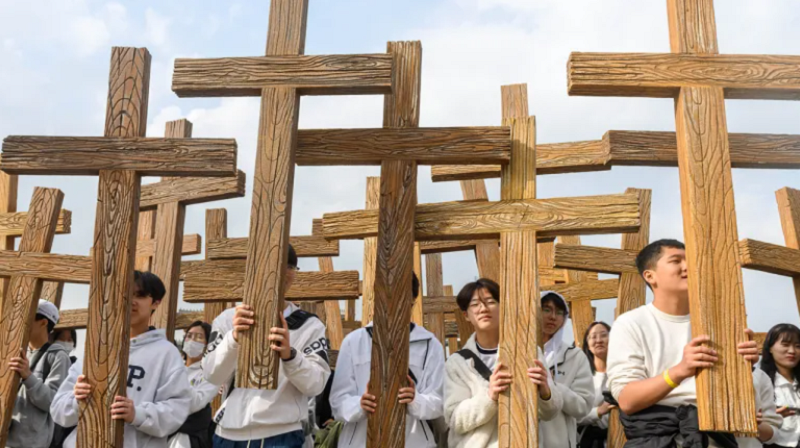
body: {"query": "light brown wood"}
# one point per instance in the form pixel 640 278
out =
pixel 304 246
pixel 20 302
pixel 789 208
pixel 348 74
pixel 663 75
pixel 223 280
pixel 192 190
pixel 12 224
pixel 428 146
pixel 596 259
pixel 770 258
pixel 9 184
pixel 390 344
pixel 440 305
pixel 44 266
pixel 632 288
pixel 146 232
pixel 417 312
pixel 74 156
pixel 434 283
pixel 440 247
pixel 549 217
pixel 53 292
pixel 333 321
pixel 581 311
pixel 192 244
pixel 370 255
pixel 216 227
pixel 586 291
pixel 487 253
pixel 75 319
pixel 545 253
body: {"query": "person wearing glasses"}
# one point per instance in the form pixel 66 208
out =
pixel 571 373
pixel 474 379
pixel 255 417
pixel 593 427
pixel 197 430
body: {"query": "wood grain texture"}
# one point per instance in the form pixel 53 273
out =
pixel 216 227
pixel 53 292
pixel 440 305
pixel 76 319
pixel 616 432
pixel 347 74
pixel 167 262
pixel 434 286
pixel 417 312
pixel 333 321
pixel 771 258
pixel 192 244
pixel 549 217
pixel 223 280
pixel 518 420
pixel 427 146
pixel 373 197
pixel 632 287
pixel 386 427
pixel 596 259
pixel 13 224
pixel 79 156
pixel 146 232
pixel 545 252
pixel 192 190
pixel 587 291
pixel 789 209
pixel 44 266
pixel 20 301
pixel 658 75
pixel 581 311
pixel 113 252
pixel 9 185
pixel 437 247
pixel 487 253
pixel 304 246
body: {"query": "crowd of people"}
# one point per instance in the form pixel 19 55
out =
pixel 644 366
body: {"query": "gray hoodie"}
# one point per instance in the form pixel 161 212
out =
pixel 31 424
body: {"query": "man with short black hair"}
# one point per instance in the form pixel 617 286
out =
pixel 158 393
pixel 42 369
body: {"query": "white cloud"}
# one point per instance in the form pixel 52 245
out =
pixel 156 27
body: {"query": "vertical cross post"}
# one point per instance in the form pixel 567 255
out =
pixel 434 282
pixel 789 208
pixel 370 255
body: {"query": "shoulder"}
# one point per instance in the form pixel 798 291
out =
pixel 632 322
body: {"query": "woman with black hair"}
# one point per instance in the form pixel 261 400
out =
pixel 781 363
pixel 197 431
pixel 593 428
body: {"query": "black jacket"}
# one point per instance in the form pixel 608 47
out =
pixel 659 426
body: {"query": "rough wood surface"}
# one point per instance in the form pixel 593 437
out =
pixel 373 198
pixel 19 303
pixel 632 287
pixel 192 190
pixel 434 287
pixel 76 319
pixel 587 291
pixel 596 259
pixel 347 74
pixel 333 321
pixel 581 311
pixel 75 156
pixel 518 420
pixel 192 244
pixel 305 246
pixel 223 280
pixel 113 252
pixel 438 247
pixel 440 305
pixel 663 75
pixel 616 432
pixel 487 253
pixel 13 224
pixel 389 366
pixel 9 184
pixel 549 217
pixel 145 231
pixel 789 209
pixel 417 312
pixel 52 267
pixel 53 292
pixel 216 227
pixel 771 258
pixel 428 146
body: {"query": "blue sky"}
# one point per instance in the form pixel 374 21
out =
pixel 54 72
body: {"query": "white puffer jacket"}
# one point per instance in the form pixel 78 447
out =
pixel 471 415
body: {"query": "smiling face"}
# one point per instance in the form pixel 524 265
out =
pixel 483 311
pixel 553 318
pixel 786 351
pixel 598 341
pixel 670 274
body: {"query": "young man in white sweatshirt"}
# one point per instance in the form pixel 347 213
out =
pixel 351 402
pixel 653 359
pixel 252 418
pixel 474 379
pixel 158 394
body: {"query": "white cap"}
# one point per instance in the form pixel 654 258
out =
pixel 48 310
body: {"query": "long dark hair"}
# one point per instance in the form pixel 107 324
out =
pixel 778 333
pixel 585 345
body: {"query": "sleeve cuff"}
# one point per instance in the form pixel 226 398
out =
pixel 140 416
pixel 231 341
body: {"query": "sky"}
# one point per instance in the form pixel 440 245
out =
pixel 54 75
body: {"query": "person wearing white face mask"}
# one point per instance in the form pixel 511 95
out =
pixel 67 338
pixel 198 429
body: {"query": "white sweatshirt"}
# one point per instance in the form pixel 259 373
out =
pixel 592 419
pixel 786 395
pixel 252 414
pixel 573 378
pixel 203 393
pixel 426 361
pixel 157 384
pixel 765 402
pixel 470 413
pixel 643 344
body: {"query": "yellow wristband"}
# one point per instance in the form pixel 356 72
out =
pixel 669 381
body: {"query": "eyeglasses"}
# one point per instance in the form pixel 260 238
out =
pixel 549 312
pixel 598 336
pixel 199 337
pixel 488 304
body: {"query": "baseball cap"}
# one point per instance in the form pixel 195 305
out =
pixel 48 310
pixel 292 257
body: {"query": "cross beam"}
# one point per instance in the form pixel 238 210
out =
pixel 76 319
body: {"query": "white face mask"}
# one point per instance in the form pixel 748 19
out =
pixel 70 346
pixel 193 349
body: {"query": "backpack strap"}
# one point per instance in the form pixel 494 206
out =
pixel 480 366
pixel 298 318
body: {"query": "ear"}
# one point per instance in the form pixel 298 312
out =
pixel 650 277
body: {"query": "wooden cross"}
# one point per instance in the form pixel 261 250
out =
pixel 19 304
pixel 699 79
pixel 169 198
pixel 279 78
pixel 120 158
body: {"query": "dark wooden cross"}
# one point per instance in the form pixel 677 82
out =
pixel 120 158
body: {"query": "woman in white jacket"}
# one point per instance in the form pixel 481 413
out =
pixel 570 371
pixel 474 379
pixel 593 427
pixel 781 363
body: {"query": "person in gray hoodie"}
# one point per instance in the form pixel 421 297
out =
pixel 42 370
pixel 158 394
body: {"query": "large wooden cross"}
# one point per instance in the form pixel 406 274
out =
pixel 120 158
pixel 699 79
